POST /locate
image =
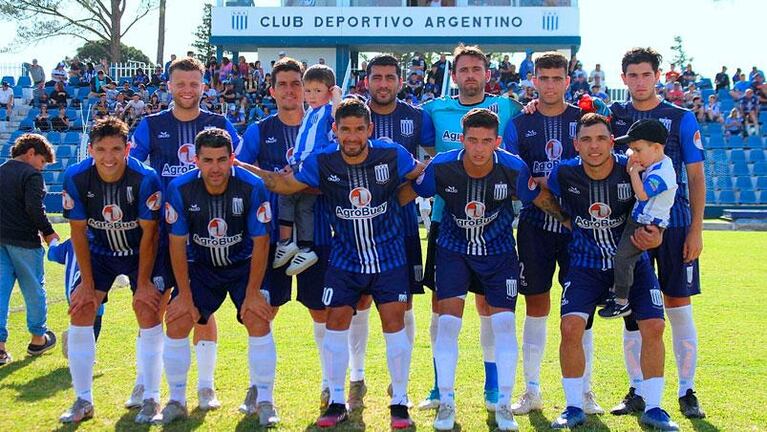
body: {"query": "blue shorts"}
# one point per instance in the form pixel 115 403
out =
pixel 107 268
pixel 585 288
pixel 309 291
pixel 211 284
pixel 539 252
pixel 677 278
pixel 414 264
pixel 498 275
pixel 428 270
pixel 162 275
pixel 343 288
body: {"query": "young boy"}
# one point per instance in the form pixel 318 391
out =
pixel 654 189
pixel 64 253
pixel 313 135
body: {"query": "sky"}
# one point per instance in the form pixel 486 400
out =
pixel 715 33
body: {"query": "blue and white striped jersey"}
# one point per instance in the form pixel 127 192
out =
pixel 599 210
pixel 409 127
pixel 266 143
pixel 169 143
pixel 542 142
pixel 684 145
pixel 478 211
pixel 659 181
pixel 315 134
pixel 221 228
pixel 112 210
pixel 365 212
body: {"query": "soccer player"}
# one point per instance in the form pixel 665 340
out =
pixel 360 178
pixel 113 205
pixel 218 218
pixel 677 257
pixel 470 73
pixel 476 240
pixel 167 139
pixel 410 127
pixel 266 144
pixel 542 140
pixel 596 190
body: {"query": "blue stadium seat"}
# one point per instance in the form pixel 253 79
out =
pixel 740 168
pixel 64 151
pixel 18 92
pixel 743 182
pixel 71 138
pixel 5 150
pixel 723 94
pixel 726 197
pixel 10 80
pixel 53 203
pixel 82 92
pixel 56 166
pixel 761 183
pixel 50 177
pixel 718 155
pixel 53 112
pixel 710 196
pixel 24 81
pixel 14 135
pixel 760 168
pixel 755 141
pixel 763 197
pixel 735 141
pixel 123 80
pixel 723 183
pixel 716 141
pixel 71 91
pixel 737 155
pixel 763 116
pixel 709 179
pixel 26 124
pixel 53 137
pixel 2 114
pixel 55 187
pixel 727 105
pixel 756 155
pixel 705 84
pixel 747 197
pixel 705 93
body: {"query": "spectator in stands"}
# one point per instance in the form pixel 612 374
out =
pixel 142 92
pixel 418 65
pixel 6 99
pixel 211 70
pixel 749 110
pixel 163 96
pixel 733 125
pixel 688 76
pixel 58 94
pixel 428 94
pixel 207 104
pixel 59 74
pixel 88 74
pixel 98 84
pixel 740 87
pixel 691 93
pixel 209 91
pixel 251 88
pixel 676 94
pixel 36 72
pixel 442 63
pixel 713 110
pixel 578 87
pixel 112 92
pixel 167 64
pixel 722 80
pixel 596 91
pixel 101 108
pixel 119 105
pixel 493 87
pixel 414 85
pixel 157 77
pixel 760 89
pixel 754 72
pixel 154 103
pixel 23 224
pixel 528 81
pixel 242 66
pixel 361 89
pixel 226 69
pixel 736 76
pixel 137 104
pixel 698 109
pixel 75 69
pixel 52 104
pixel 103 65
pixel 672 75
pixel 60 123
pixel 140 78
pixel 39 95
pixel 527 65
pixel 229 95
pixel 597 76
pixel 42 120
pixel 528 95
pixel 130 117
pixel 579 72
pixel 238 83
pixel 127 90
pixel 258 72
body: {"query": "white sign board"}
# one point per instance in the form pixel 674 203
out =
pixel 393 21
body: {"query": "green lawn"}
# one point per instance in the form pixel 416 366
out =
pixel 731 379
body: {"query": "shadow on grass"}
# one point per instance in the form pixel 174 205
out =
pixel 71 426
pixel 538 421
pixel 44 386
pixel 702 425
pixel 15 365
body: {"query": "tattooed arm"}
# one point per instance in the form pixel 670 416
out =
pixel 549 204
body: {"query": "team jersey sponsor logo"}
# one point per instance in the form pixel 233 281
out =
pixel 154 201
pixel 697 140
pixel 185 154
pixel 406 127
pixel 264 212
pixel 66 201
pixel 624 191
pixel 600 210
pixel 171 216
pixel 112 215
pixel 448 136
pixel 360 198
pixel 600 218
pixel 553 149
pixel 475 213
pixel 531 184
pixel 217 229
pixel 289 155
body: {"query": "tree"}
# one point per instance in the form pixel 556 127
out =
pixel 95 51
pixel 202 36
pixel 161 33
pixel 89 20
pixel 680 56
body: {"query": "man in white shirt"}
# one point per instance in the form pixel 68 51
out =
pixel 6 99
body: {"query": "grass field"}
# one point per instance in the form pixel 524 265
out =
pixel 731 378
